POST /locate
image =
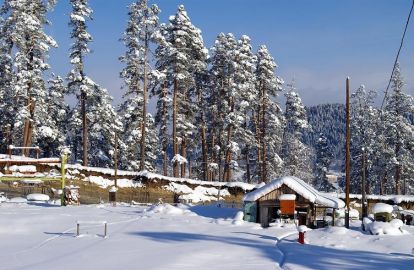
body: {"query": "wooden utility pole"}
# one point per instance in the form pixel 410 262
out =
pixel 347 159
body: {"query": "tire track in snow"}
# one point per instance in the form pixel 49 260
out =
pixel 282 255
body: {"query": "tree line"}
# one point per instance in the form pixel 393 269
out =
pixel 217 113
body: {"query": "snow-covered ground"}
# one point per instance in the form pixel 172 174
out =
pixel 167 237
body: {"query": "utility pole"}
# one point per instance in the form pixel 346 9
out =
pixel 347 159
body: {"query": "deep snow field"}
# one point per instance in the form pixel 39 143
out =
pixel 167 237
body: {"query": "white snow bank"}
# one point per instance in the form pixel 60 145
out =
pixel 340 213
pixel 17 200
pixel 167 209
pixel 390 228
pixel 300 187
pixel 199 194
pixel 382 208
pixel 37 197
pixel 287 197
pixel 238 218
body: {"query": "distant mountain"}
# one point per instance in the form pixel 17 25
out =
pixel 330 120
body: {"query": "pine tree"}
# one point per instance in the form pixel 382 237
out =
pixel 297 156
pixel 51 135
pixel 363 120
pixel 268 116
pixel 221 104
pixel 399 132
pixel 78 83
pixel 181 55
pixel 142 23
pixel 94 114
pixel 323 160
pixel 25 45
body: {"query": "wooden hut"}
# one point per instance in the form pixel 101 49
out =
pixel 288 196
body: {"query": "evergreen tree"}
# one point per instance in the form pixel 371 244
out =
pixel 268 116
pixel 180 56
pixel 399 133
pixel 142 23
pixel 24 49
pixel 323 160
pixel 297 156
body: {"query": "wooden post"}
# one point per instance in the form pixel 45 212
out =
pixel 77 229
pixel 363 189
pixel 106 229
pixel 116 160
pixel 64 159
pixel 347 159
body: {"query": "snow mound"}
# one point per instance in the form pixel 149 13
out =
pixel 167 209
pixel 18 200
pixel 382 208
pixel 37 197
pixel 238 218
pixel 23 168
pixel 389 228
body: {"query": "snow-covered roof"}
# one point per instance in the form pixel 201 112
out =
pixel 300 187
pixel 395 198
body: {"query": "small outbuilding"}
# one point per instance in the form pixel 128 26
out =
pixel 291 197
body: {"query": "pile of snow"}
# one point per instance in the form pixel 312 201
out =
pixel 238 218
pixel 394 227
pixel 17 200
pixel 167 209
pixel 300 187
pixel 340 213
pixel 382 208
pixel 3 197
pixel 38 197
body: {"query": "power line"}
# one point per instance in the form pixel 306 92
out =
pixel 398 54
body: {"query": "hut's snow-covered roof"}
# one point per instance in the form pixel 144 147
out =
pixel 300 187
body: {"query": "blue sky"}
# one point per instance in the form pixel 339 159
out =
pixel 319 43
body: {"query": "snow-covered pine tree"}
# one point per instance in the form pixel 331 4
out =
pixel 297 156
pixel 221 103
pixel 94 114
pixel 25 45
pixel 363 136
pixel 246 97
pixel 138 36
pixel 399 134
pixel 51 136
pixel 268 116
pixel 323 160
pixel 180 56
pixel 78 83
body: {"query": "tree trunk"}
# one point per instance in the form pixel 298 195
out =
pixel 144 107
pixel 165 162
pixel 397 176
pixel 184 155
pixel 263 139
pixel 175 146
pixel 84 129
pixel 204 151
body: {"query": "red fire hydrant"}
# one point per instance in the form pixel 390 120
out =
pixel 301 237
pixel 302 229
